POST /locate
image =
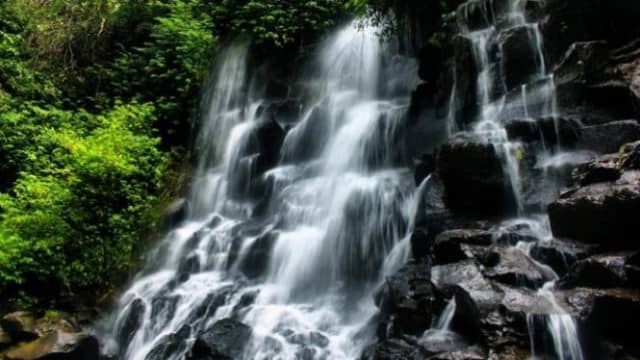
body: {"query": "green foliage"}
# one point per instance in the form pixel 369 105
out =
pixel 83 201
pixel 96 97
pixel 278 23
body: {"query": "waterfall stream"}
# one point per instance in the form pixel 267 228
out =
pixel 303 272
pixel 299 263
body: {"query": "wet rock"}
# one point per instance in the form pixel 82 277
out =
pixel 408 299
pixel 603 169
pixel 225 340
pixel 608 138
pixel 548 130
pixel 608 313
pixel 630 156
pixel 469 353
pixel 5 339
pixel 583 62
pixel 131 323
pixel 57 345
pixel 423 167
pixel 20 326
pixel 468 276
pixel 392 349
pixel 421 242
pixel 603 214
pixel 473 177
pixel 603 272
pixel 559 255
pixel 520 58
pixel 188 267
pixel 466 72
pixel 466 317
pixel 175 214
pixel 256 260
pixel 515 268
pixel 449 246
pixel 319 340
pixel 269 137
pixel 171 344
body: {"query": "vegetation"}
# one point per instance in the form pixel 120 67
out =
pixel 96 99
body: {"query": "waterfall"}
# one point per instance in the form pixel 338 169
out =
pixel 485 25
pixel 298 264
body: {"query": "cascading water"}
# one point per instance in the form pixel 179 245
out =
pixel 493 20
pixel 301 271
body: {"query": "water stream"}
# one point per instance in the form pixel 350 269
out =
pixel 302 271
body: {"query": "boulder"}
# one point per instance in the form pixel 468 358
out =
pixel 609 137
pixel 513 267
pixel 630 156
pixel 473 177
pixel 520 55
pixel 20 326
pixel 604 213
pixel 466 316
pixel 552 132
pixel 255 261
pixel 131 322
pixel 449 245
pixel 602 169
pixel 560 255
pixel 468 276
pixel 392 349
pixel 175 214
pixel 608 313
pixel 57 345
pixel 170 344
pixel 409 300
pixel 603 272
pixel 5 339
pixel 225 340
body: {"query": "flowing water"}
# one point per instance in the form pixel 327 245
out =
pixel 485 23
pixel 300 268
pixel 299 262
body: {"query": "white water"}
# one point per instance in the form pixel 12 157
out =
pixel 337 220
pixel 492 94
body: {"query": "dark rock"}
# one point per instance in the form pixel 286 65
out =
pixel 466 72
pixel 520 59
pixel 601 271
pixel 57 346
pixel 319 340
pixel 630 156
pixel 171 344
pixel 515 268
pixel 602 169
pixel 608 138
pixel 466 317
pixel 448 246
pixel 608 313
pixel 604 214
pixel 468 276
pixel 468 353
pixel 225 340
pixel 423 167
pixel 20 326
pixel 408 299
pixel 421 241
pixel 473 177
pixel 392 349
pixel 583 62
pixel 256 260
pixel 559 255
pixel 131 323
pixel 188 267
pixel 552 132
pixel 175 214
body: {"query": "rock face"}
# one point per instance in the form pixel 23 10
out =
pixel 602 211
pixel 473 177
pixel 225 340
pixel 54 336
